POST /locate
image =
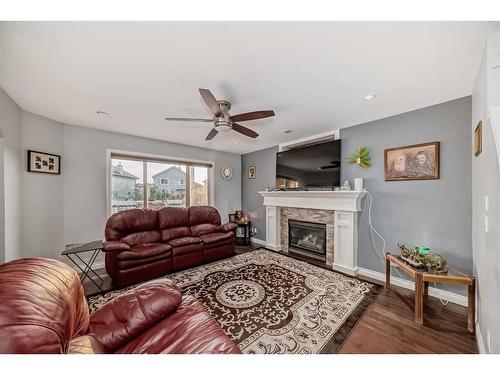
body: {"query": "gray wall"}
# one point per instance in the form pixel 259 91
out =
pixel 486 182
pixel 42 194
pixel 72 207
pixel 435 213
pixel 10 178
pixel 251 202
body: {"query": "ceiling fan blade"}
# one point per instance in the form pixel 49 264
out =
pixel 211 102
pixel 189 119
pixel 212 134
pixel 252 116
pixel 245 131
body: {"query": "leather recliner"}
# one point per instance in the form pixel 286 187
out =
pixel 142 244
pixel 44 310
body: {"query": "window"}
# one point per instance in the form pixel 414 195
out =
pixel 138 182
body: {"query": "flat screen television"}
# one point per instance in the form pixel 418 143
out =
pixel 308 168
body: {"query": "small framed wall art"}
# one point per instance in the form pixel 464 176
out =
pixel 42 162
pixel 414 162
pixel 252 172
pixel 478 139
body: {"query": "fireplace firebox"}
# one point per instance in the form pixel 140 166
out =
pixel 307 238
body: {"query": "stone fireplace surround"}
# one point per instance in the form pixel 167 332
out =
pixel 337 209
pixel 311 215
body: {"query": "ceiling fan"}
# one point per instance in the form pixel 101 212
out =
pixel 223 122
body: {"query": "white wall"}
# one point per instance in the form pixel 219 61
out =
pixel 42 194
pixel 10 178
pixel 486 183
pixel 69 208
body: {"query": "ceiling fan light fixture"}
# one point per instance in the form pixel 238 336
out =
pixel 223 128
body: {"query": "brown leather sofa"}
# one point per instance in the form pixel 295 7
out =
pixel 144 244
pixel 44 310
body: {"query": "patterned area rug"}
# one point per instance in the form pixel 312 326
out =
pixel 271 303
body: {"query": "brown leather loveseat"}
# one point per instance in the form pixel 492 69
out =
pixel 144 244
pixel 43 310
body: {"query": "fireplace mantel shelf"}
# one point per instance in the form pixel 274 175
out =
pixel 344 205
pixel 343 200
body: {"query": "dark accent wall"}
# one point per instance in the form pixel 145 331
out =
pixel 428 212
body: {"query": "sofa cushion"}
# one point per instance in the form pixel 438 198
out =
pixel 198 230
pixel 183 241
pixel 125 264
pixel 188 330
pixel 203 215
pixel 173 233
pixel 42 307
pixel 141 238
pixel 144 251
pixel 188 249
pixel 130 314
pixel 123 223
pixel 215 238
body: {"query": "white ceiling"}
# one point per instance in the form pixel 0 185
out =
pixel 312 74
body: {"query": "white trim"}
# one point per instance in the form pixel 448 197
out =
pixel 323 137
pixel 479 339
pixel 408 284
pixel 259 242
pixel 341 200
pixel 347 270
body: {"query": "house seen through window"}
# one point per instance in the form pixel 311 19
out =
pixel 143 183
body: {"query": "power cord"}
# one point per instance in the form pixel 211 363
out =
pixel 381 254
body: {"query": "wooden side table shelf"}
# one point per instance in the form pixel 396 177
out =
pixel 422 280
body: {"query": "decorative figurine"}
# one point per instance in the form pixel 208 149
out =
pixel 412 257
pixel 435 262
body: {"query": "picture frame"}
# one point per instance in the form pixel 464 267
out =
pixel 232 218
pixel 413 162
pixel 43 162
pixel 226 173
pixel 252 172
pixel 238 216
pixel 478 139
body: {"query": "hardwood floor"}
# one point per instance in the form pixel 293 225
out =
pixel 388 327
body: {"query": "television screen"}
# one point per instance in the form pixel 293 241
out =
pixel 315 166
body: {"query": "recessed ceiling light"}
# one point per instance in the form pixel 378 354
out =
pixel 102 113
pixel 287 131
pixel 369 98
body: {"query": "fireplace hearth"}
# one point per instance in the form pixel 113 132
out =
pixel 307 238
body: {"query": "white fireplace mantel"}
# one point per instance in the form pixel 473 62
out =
pixel 345 206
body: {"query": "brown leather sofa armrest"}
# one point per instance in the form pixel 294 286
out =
pixel 228 227
pixel 109 246
pixel 127 316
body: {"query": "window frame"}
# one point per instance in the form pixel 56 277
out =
pixel 164 179
pixel 145 158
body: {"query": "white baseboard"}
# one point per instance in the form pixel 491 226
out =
pixel 259 242
pixel 480 343
pixel 408 284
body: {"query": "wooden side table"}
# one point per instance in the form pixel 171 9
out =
pixel 422 280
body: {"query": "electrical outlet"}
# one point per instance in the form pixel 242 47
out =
pixel 488 340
